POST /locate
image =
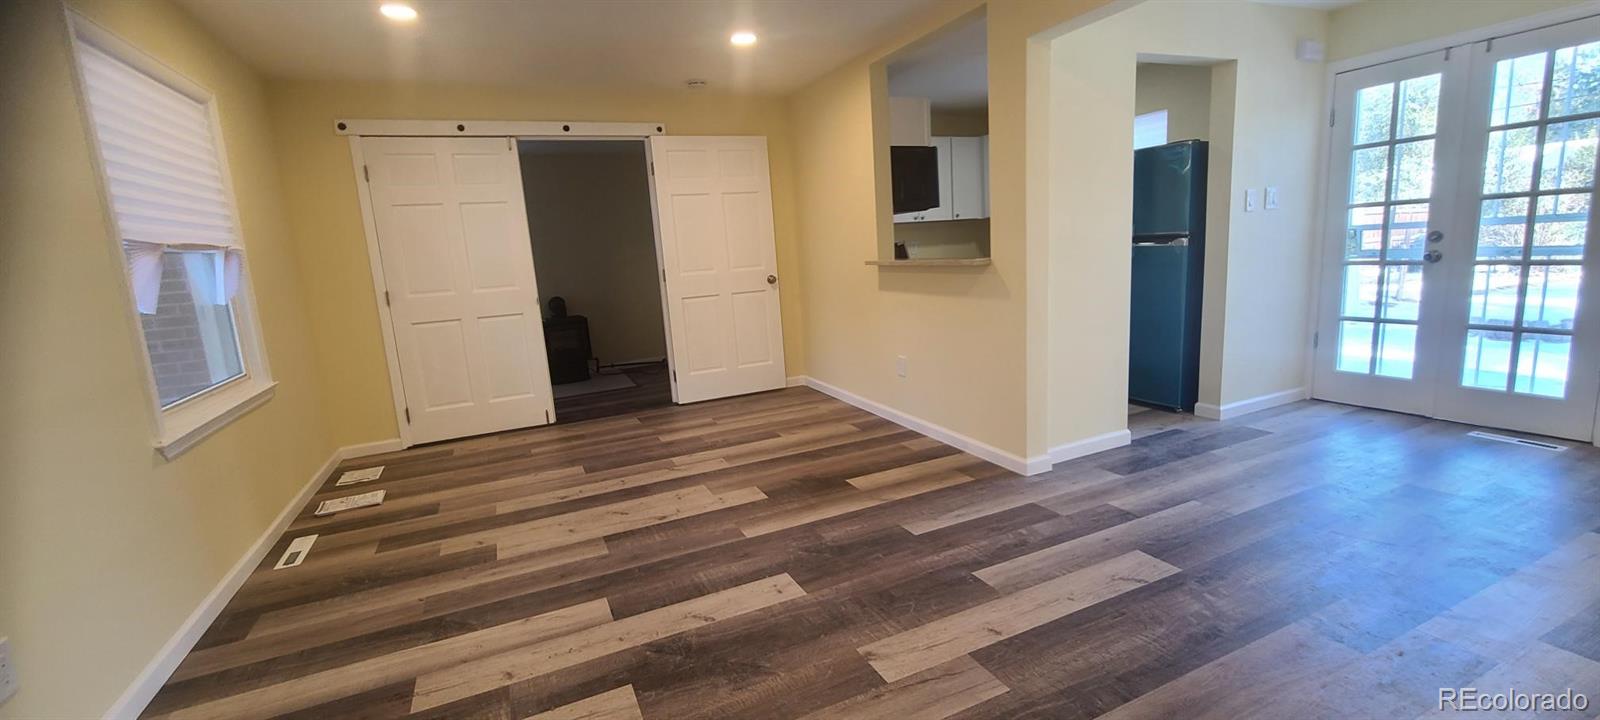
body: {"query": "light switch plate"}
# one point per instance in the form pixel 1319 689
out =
pixel 8 671
pixel 350 502
pixel 359 476
pixel 1269 198
pixel 900 365
pixel 1250 200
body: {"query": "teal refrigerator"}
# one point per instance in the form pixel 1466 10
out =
pixel 1169 241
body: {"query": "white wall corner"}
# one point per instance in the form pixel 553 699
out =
pixel 1232 410
pixel 149 681
pixel 1014 463
pixel 1090 445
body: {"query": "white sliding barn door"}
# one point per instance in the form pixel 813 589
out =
pixel 714 210
pixel 453 234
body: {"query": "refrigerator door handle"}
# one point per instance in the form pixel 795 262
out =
pixel 1172 240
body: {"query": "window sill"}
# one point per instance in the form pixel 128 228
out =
pixel 186 425
pixel 932 262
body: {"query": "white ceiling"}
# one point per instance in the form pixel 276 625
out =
pixel 951 70
pixel 591 43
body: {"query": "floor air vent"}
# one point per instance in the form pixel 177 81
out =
pixel 296 552
pixel 359 476
pixel 1517 441
pixel 350 502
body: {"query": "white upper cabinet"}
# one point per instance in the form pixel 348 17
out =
pixel 943 212
pixel 985 143
pixel 967 191
pixel 963 181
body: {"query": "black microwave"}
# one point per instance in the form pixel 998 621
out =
pixel 914 172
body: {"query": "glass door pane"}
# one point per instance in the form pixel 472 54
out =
pixel 1391 153
pixel 1533 223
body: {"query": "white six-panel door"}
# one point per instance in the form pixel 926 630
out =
pixel 452 230
pixel 714 212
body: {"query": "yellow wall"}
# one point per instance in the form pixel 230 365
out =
pixel 1184 91
pixel 1258 264
pixel 954 326
pixel 320 194
pixel 594 244
pixel 1376 25
pixel 974 338
pixel 106 548
pixel 944 238
pixel 959 123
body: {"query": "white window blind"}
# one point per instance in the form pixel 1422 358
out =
pixel 162 171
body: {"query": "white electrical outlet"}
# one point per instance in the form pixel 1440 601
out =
pixel 8 672
pixel 900 365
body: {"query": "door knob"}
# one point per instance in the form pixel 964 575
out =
pixel 772 279
pixel 1433 256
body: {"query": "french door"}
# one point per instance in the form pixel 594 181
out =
pixel 1460 208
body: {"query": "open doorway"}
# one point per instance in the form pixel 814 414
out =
pixel 595 256
pixel 1171 148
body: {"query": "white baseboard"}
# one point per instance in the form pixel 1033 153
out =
pixel 372 448
pixel 1244 407
pixel 795 381
pixel 149 681
pixel 1090 445
pixel 1014 463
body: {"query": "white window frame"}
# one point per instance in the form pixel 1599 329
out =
pixel 1150 118
pixel 184 424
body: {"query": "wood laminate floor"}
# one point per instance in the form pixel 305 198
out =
pixel 785 556
pixel 651 389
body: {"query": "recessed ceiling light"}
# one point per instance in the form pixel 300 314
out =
pixel 396 11
pixel 743 38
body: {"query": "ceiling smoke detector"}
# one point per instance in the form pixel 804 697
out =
pixel 695 84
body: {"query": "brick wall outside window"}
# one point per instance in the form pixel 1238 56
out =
pixel 172 335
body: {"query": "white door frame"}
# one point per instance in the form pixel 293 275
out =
pixel 521 130
pixel 1457 42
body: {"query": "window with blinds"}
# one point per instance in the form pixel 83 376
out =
pixel 1150 129
pixel 174 217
